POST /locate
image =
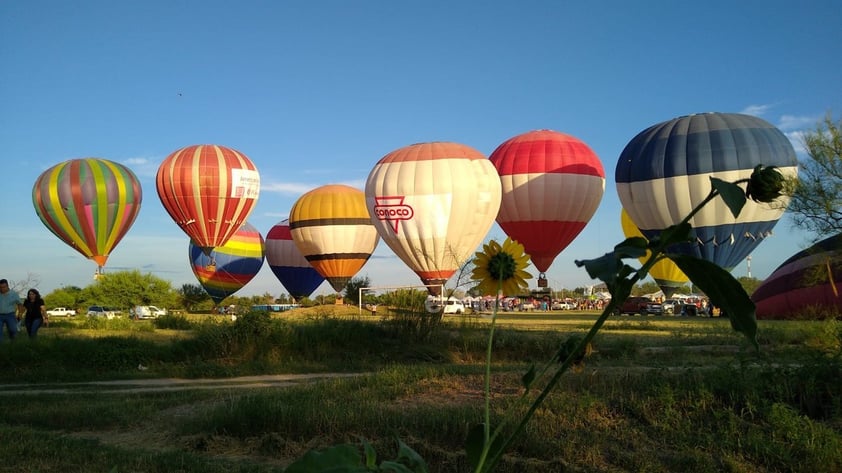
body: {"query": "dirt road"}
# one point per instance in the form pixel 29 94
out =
pixel 170 384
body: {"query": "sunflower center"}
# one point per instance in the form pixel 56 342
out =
pixel 502 266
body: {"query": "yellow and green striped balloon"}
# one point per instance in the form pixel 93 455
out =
pixel 89 203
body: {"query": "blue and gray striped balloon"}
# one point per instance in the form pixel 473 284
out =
pixel 664 172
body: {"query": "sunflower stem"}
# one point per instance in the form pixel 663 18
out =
pixel 486 445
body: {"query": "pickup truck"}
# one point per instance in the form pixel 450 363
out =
pixel 639 305
pixel 60 312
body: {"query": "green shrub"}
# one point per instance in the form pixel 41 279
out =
pixel 173 322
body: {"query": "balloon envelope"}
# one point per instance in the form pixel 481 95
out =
pixel 209 191
pixel 288 264
pixel 552 184
pixel 433 204
pixel 331 227
pixel 237 262
pixel 88 203
pixel 665 171
pixel 808 283
pixel 665 272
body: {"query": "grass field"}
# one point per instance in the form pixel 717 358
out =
pixel 658 394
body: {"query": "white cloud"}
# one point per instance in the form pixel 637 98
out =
pixel 296 188
pixel 792 122
pixel 292 188
pixel 796 138
pixel 756 110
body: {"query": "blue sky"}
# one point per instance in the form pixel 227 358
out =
pixel 317 92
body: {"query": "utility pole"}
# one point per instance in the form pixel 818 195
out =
pixel 748 263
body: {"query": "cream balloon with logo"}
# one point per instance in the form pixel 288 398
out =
pixel 433 204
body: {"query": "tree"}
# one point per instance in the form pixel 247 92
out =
pixel 22 286
pixel 749 284
pixel 816 203
pixel 124 289
pixel 67 296
pixel 192 295
pixel 353 286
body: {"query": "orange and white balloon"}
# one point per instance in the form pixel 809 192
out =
pixel 433 204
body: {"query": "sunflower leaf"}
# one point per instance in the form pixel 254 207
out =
pixel 724 292
pixel 633 247
pixel 528 378
pixel 732 194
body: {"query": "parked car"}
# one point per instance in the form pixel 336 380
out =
pixel 639 305
pixel 450 306
pixel 61 312
pixel 146 312
pixel 454 306
pixel 101 311
pixel 562 305
pixel 670 306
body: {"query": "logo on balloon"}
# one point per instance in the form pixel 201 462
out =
pixel 392 210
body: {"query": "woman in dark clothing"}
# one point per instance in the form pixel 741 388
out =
pixel 36 313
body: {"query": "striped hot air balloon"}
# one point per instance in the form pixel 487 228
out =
pixel 331 227
pixel 209 191
pixel 433 204
pixel 665 171
pixel 89 204
pixel 808 283
pixel 666 274
pixel 291 268
pixel 552 186
pixel 237 262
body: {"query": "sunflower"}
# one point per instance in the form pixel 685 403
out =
pixel 501 267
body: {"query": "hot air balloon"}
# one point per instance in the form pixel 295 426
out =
pixel 433 204
pixel 237 262
pixel 331 227
pixel 666 274
pixel 664 171
pixel 89 204
pixel 209 191
pixel 808 283
pixel 552 185
pixel 291 268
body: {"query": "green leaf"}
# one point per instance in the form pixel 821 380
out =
pixel 475 443
pixel 733 195
pixel 679 233
pixel 411 458
pixel 604 268
pixel 724 292
pixel 344 458
pixel 370 455
pixel 633 247
pixel 528 377
pixel 394 466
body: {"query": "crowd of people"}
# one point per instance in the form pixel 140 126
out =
pixel 32 311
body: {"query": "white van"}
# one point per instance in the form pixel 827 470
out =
pixel 146 312
pixel 451 306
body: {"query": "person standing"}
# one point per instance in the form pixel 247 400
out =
pixel 9 307
pixel 36 312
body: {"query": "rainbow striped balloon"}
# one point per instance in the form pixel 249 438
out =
pixel 237 262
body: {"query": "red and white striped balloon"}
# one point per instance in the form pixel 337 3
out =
pixel 552 185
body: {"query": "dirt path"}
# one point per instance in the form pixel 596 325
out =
pixel 170 384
